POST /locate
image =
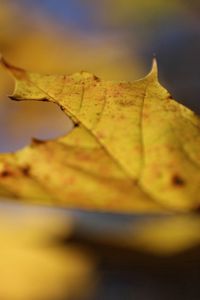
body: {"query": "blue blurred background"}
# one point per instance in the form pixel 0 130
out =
pixel 115 39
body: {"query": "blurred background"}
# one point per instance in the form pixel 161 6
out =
pixel 115 39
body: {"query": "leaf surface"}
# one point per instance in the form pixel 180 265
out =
pixel 134 148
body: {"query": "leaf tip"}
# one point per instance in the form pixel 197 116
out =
pixel 18 73
pixel 154 69
pixel 154 65
pixel 5 63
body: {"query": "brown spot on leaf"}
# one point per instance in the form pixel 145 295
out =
pixel 177 180
pixel 26 170
pixel 96 78
pixel 5 173
pixel 170 96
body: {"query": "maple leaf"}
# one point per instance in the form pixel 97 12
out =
pixel 134 148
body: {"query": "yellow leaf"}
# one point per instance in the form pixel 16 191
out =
pixel 134 148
